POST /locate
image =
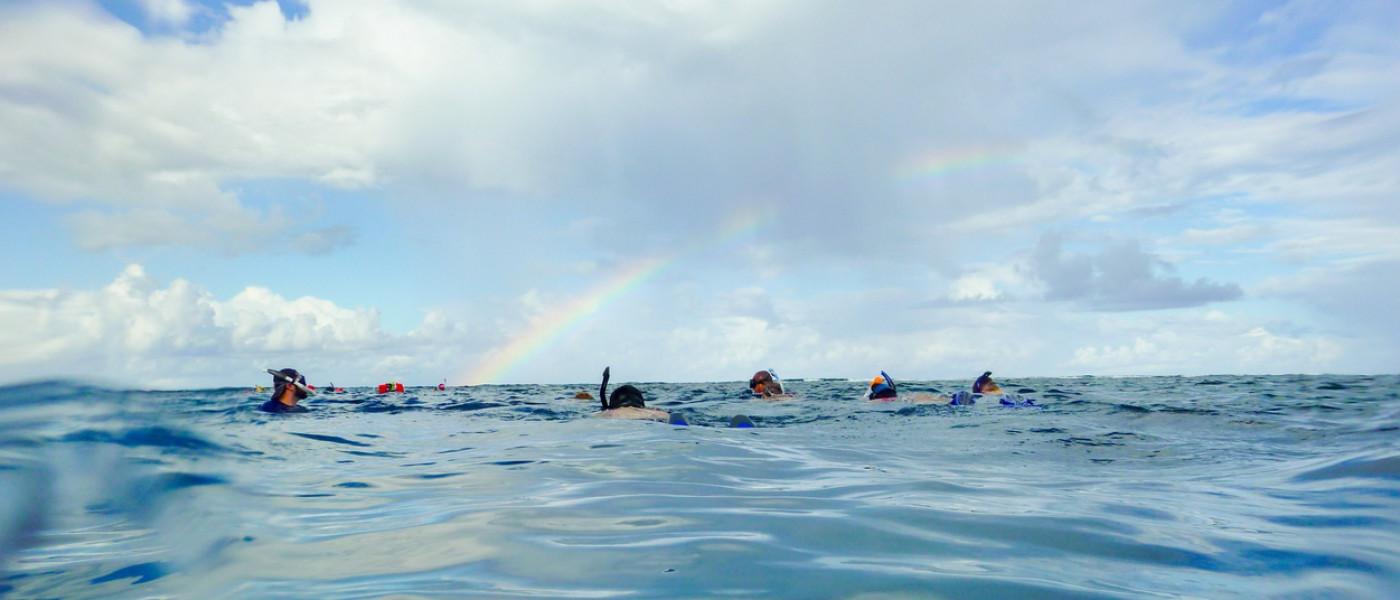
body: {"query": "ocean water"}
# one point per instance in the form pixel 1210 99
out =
pixel 1283 486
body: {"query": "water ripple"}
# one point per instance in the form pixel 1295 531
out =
pixel 1115 488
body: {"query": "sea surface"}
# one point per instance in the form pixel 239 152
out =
pixel 1214 487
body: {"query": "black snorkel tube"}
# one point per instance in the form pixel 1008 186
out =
pixel 299 385
pixel 603 389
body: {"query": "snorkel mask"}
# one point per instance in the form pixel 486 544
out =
pixel 882 386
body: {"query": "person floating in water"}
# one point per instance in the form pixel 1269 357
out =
pixel 766 384
pixel 881 388
pixel 627 402
pixel 288 387
pixel 985 385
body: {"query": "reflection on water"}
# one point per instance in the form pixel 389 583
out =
pixel 1222 486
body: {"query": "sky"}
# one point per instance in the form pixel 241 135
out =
pixel 526 192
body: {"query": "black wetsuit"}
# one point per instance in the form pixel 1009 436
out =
pixel 273 406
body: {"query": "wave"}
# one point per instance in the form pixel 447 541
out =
pixel 1217 486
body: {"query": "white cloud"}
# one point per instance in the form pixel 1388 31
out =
pixel 1208 343
pixel 1121 277
pixel 706 337
pixel 730 343
pixel 135 332
pixel 168 12
pixel 232 231
pixel 1229 235
pixel 539 98
pixel 1351 299
pixel 707 105
pixel 998 281
pixel 637 125
pixel 154 131
pixel 1336 241
pixel 625 104
pixel 975 287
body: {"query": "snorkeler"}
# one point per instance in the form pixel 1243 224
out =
pixel 288 387
pixel 881 388
pixel 985 385
pixel 766 384
pixel 626 402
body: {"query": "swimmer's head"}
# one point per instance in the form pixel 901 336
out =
pixel 280 386
pixel 625 396
pixel 984 383
pixel 881 386
pixel 756 383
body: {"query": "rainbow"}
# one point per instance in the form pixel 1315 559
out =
pixel 951 160
pixel 541 333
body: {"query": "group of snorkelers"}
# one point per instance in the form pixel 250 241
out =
pixel 627 402
pixel 882 388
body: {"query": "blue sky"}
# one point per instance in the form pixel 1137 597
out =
pixel 371 191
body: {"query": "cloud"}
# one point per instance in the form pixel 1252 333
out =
pixel 1352 299
pixel 1122 277
pixel 602 132
pixel 1253 349
pixel 142 131
pixel 998 281
pixel 168 12
pixel 226 232
pixel 986 284
pixel 621 105
pixel 1335 241
pixel 669 117
pixel 136 332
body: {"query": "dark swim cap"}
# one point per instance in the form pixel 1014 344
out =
pixel 278 384
pixel 626 396
pixel 760 377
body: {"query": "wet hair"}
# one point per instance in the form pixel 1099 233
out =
pixel 627 395
pixel 624 395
